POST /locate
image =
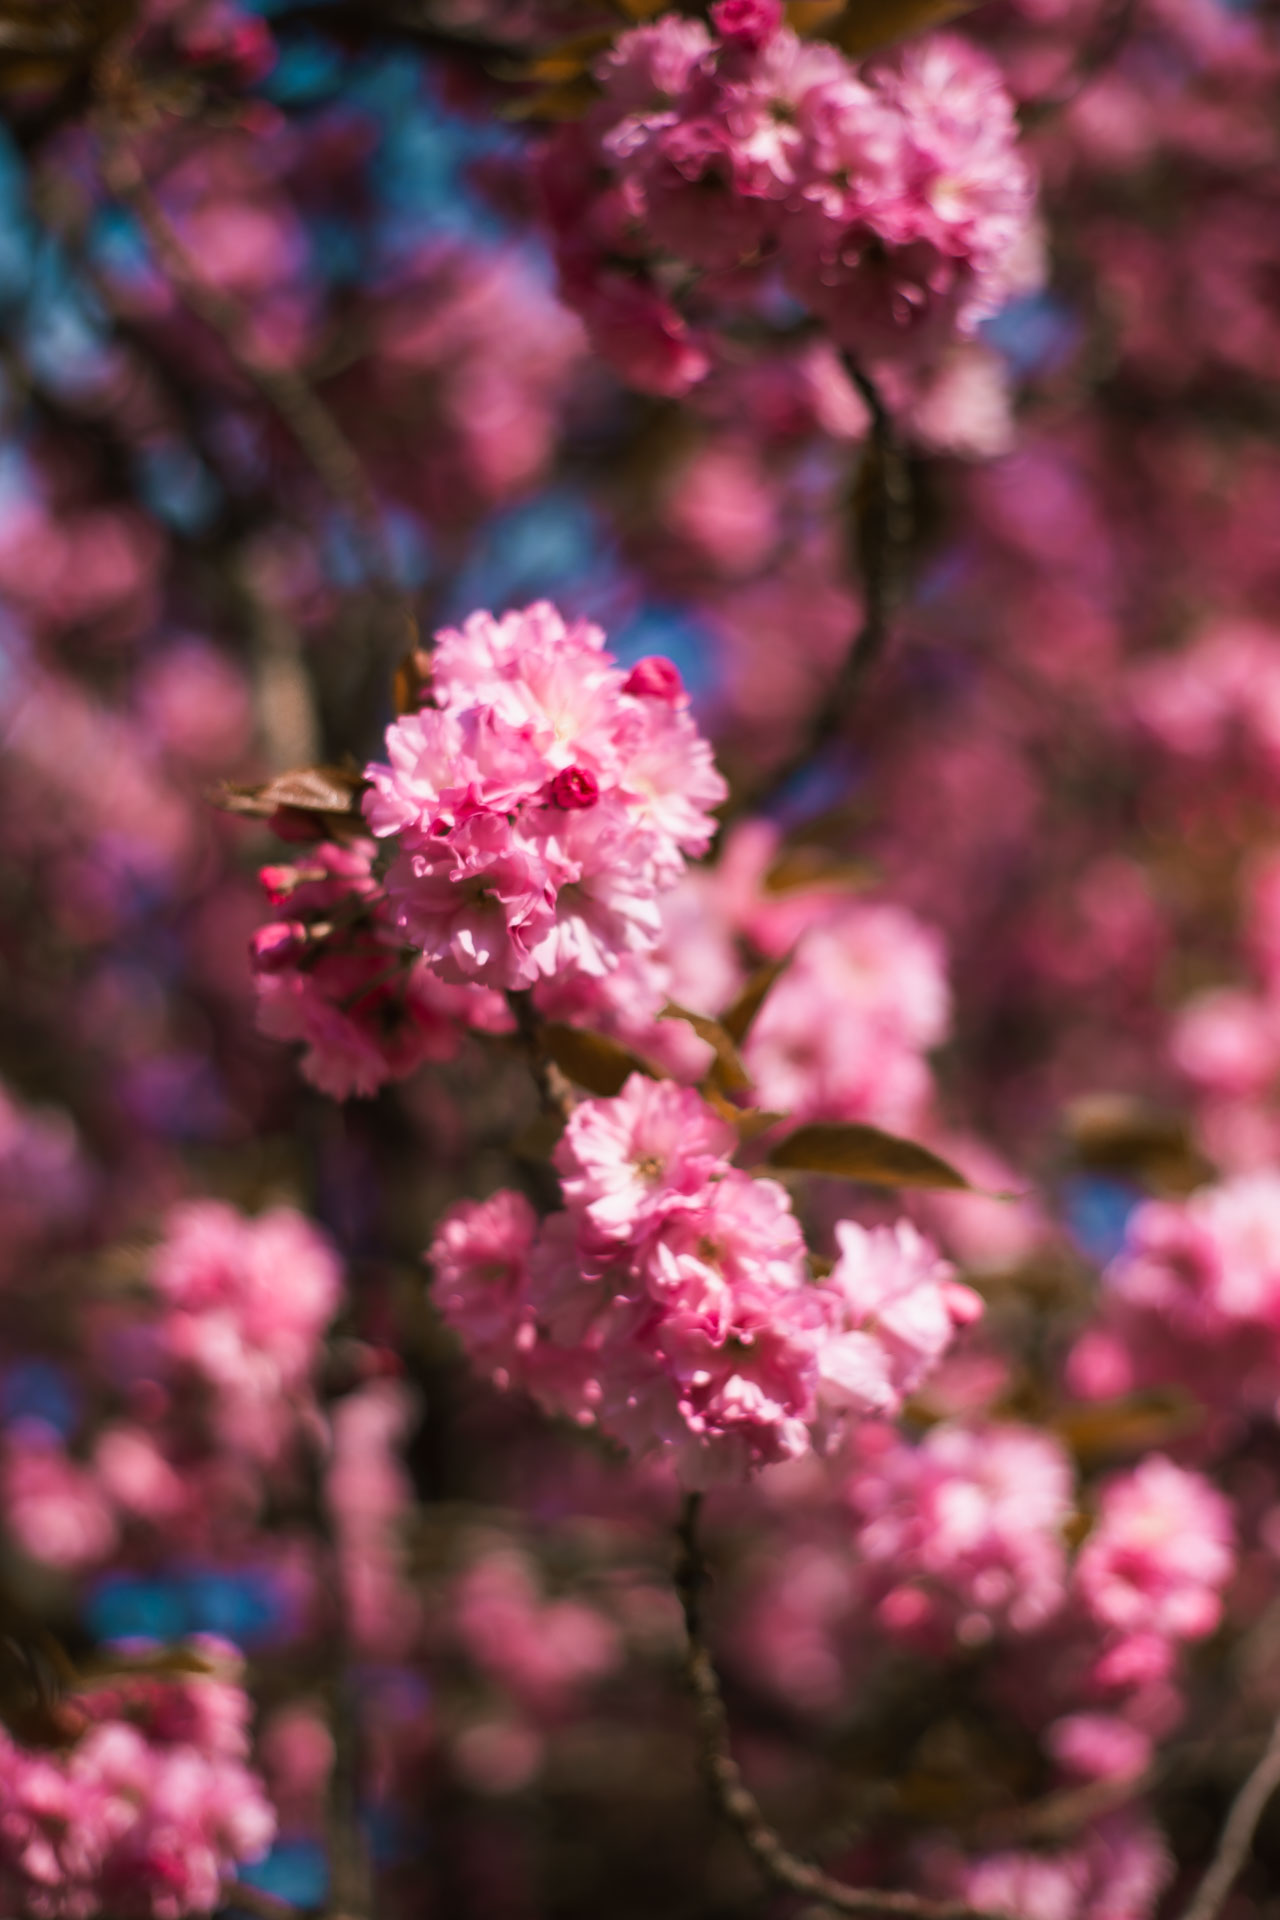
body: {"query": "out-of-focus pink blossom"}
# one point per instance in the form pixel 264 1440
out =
pixel 481 1259
pixel 54 1508
pixel 368 1493
pixel 1116 1873
pixel 1160 1553
pixel 146 1815
pixel 895 1307
pixel 543 1651
pixel 843 1033
pixel 246 1303
pixel 1194 1296
pixel 964 1532
pixel 1098 1746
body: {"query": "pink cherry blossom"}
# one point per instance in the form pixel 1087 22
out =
pixel 626 1163
pixel 539 808
pixel 1160 1553
pixel 894 1306
pixel 480 1255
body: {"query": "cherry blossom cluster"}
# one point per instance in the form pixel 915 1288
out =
pixel 244 1308
pixel 1194 1297
pixel 335 976
pixel 961 1535
pixel 895 202
pixel 961 1542
pixel 212 1385
pixel 1047 839
pixel 146 1811
pixel 671 1302
pixel 540 804
pixel 845 1030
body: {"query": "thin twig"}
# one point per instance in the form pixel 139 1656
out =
pixel 734 1799
pixel 1237 1834
pixel 1110 31
pixel 1060 1816
pixel 553 1087
pixel 290 395
pixel 884 523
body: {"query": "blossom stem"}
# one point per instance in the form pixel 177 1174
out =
pixel 1111 30
pixel 884 522
pixel 734 1800
pixel 554 1090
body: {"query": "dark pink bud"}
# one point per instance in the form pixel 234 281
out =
pixel 748 23
pixel 654 678
pixel 277 946
pixel 575 787
pixel 278 883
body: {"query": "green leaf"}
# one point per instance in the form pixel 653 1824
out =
pixel 857 1152
pixel 591 1060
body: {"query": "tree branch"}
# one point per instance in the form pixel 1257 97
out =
pixel 884 520
pixel 554 1089
pixel 734 1800
pixel 313 427
pixel 1237 1834
pixel 1110 31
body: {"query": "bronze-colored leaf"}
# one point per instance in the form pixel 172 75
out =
pixel 814 866
pixel 750 1122
pixel 1116 1133
pixel 738 1021
pixel 1124 1428
pixel 334 790
pixel 412 681
pixel 856 1152
pixel 592 1060
pixel 867 25
pixel 728 1075
pixel 564 61
pixel 807 17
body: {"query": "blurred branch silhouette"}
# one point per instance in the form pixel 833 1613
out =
pixel 317 433
pixel 1236 1839
pixel 735 1801
pixel 883 520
